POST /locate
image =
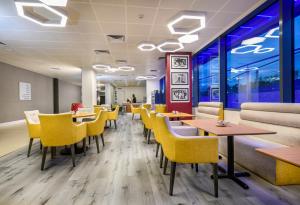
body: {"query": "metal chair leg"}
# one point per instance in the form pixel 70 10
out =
pixel 215 174
pixel 102 139
pixel 73 154
pixel 149 136
pixel 84 146
pixel 157 149
pixel 29 147
pixel 45 149
pixel 165 166
pixel 97 144
pixel 172 177
pixel 161 157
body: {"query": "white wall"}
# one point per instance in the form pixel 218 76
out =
pixel 150 86
pixel 89 88
pixel 126 92
pixel 109 94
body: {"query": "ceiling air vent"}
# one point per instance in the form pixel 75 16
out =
pixel 121 61
pixel 102 52
pixel 161 58
pixel 153 70
pixel 116 38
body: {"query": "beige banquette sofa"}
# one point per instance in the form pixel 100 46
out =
pixel 283 118
pixel 210 110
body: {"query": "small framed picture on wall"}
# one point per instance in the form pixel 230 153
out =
pixel 179 62
pixel 179 78
pixel 180 94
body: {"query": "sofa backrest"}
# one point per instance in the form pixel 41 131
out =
pixel 283 118
pixel 210 110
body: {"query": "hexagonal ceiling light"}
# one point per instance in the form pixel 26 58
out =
pixel 55 2
pixel 146 46
pixel 33 10
pixel 187 16
pixel 166 46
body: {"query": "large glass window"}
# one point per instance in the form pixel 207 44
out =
pixel 195 81
pixel 253 60
pixel 209 74
pixel 297 50
pixel 162 88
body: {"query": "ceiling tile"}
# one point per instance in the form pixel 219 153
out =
pixel 176 4
pixel 80 11
pixel 112 2
pixel 140 15
pixel 239 5
pixel 208 5
pixel 113 28
pixel 108 13
pixel 164 15
pixel 137 30
pixel 144 3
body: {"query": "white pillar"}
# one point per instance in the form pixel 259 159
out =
pixel 151 85
pixel 109 94
pixel 89 88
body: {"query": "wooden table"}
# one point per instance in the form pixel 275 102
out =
pixel 177 115
pixel 289 155
pixel 209 126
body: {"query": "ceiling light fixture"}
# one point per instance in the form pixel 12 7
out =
pixel 55 2
pixel 126 68
pixel 189 38
pixel 161 46
pixel 101 67
pixel 145 77
pixel 111 70
pixel 20 4
pixel 146 46
pixel 187 16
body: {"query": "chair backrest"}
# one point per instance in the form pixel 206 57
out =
pixel 283 118
pixel 155 126
pixel 57 129
pixel 160 108
pixel 147 106
pixel 32 117
pixel 98 125
pixel 146 118
pixel 210 110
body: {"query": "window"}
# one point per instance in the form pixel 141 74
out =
pixel 195 81
pixel 253 60
pixel 162 85
pixel 297 50
pixel 209 73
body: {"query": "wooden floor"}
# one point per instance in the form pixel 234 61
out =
pixel 124 172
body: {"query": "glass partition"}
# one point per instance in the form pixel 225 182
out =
pixel 253 60
pixel 209 74
pixel 297 49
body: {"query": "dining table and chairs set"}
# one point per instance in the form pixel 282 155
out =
pixel 68 130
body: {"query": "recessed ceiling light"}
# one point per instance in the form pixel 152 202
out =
pixel 146 46
pixel 55 2
pixel 184 16
pixel 189 38
pixel 55 68
pixel 20 4
pixel 167 43
pixel 101 67
pixel 126 68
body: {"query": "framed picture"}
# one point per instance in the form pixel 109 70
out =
pixel 180 94
pixel 215 94
pixel 179 78
pixel 179 62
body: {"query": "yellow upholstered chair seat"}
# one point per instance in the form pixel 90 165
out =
pixel 33 127
pixel 160 108
pixel 147 123
pixel 187 149
pixel 96 128
pixel 135 110
pixel 113 115
pixel 59 130
pixel 147 106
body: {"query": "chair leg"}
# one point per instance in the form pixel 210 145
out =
pixel 172 177
pixel 45 149
pixel 196 165
pixel 215 174
pixel 192 166
pixel 165 165
pixel 84 146
pixel 29 147
pixel 145 133
pixel 73 154
pixel 109 123
pixel 102 139
pixel 115 122
pixel 132 116
pixel 41 146
pixel 97 144
pixel 149 136
pixel 157 149
pixel 161 157
pixel 89 140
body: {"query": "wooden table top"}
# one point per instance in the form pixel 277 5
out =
pixel 287 154
pixel 83 115
pixel 178 115
pixel 230 129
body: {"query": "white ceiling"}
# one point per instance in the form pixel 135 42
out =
pixel 36 48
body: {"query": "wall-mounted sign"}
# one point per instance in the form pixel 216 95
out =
pixel 24 91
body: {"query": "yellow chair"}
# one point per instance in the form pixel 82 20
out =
pixel 147 124
pixel 96 128
pixel 147 106
pixel 59 130
pixel 191 150
pixel 160 108
pixel 113 115
pixel 135 110
pixel 33 126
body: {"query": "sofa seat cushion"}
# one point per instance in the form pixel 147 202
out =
pixel 246 155
pixel 185 130
pixel 175 123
